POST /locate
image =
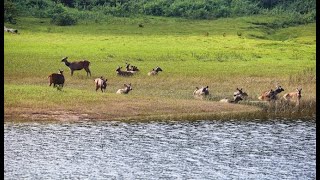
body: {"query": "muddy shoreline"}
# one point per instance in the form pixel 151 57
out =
pixel 38 115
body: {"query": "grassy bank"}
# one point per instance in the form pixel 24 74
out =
pixel 223 54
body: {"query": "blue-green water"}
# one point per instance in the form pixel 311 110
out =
pixel 255 149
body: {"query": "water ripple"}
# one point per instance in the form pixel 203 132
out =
pixel 278 149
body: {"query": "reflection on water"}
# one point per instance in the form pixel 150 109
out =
pixel 277 149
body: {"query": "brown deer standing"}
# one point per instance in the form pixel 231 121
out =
pixel 77 65
pixel 101 83
pixel 56 79
pixel 294 96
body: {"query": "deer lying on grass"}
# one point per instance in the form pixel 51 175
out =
pixel 294 96
pixel 101 83
pixel 154 71
pixel 57 79
pixel 125 90
pixel 77 65
pixel 240 93
pixel 201 92
pixel 10 30
pixel 131 68
pixel 235 100
pixel 123 73
pixel 271 95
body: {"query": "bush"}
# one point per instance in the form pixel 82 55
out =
pixel 242 7
pixel 303 10
pixel 57 9
pixel 155 8
pixel 63 19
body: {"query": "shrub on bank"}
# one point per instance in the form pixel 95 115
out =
pixel 64 19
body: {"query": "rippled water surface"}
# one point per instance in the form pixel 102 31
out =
pixel 277 149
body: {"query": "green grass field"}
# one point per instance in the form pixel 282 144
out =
pixel 190 52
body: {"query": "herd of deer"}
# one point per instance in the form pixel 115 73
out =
pixel 239 95
pixel 57 79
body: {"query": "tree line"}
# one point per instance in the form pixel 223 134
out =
pixel 71 10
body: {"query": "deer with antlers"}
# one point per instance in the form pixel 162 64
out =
pixel 77 65
pixel 123 73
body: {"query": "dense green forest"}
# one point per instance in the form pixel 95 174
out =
pixel 68 12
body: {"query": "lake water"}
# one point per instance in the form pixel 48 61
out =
pixel 253 149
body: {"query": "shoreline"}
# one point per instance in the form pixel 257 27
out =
pixel 43 115
pixel 247 112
